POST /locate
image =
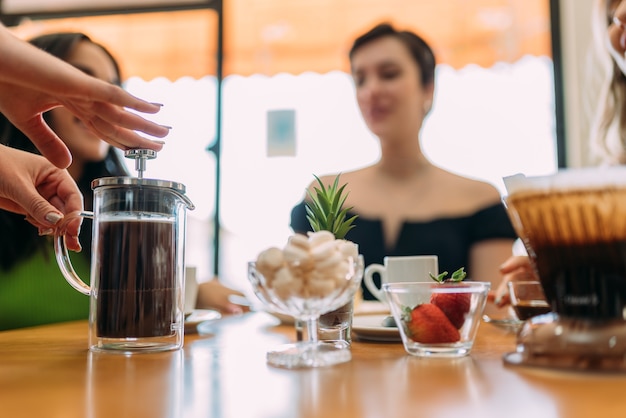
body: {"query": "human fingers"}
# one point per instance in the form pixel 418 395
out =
pixel 103 92
pixel 503 300
pixel 213 294
pixel 64 198
pixel 46 141
pixel 514 263
pixel 120 117
pixel 26 115
pixel 51 195
pixel 239 302
pixel 69 229
pixel 111 103
pixel 71 238
pixel 514 268
pixel 20 174
pixel 117 126
pixel 523 272
pixel 125 138
pixel 29 201
pixel 500 295
pixel 232 302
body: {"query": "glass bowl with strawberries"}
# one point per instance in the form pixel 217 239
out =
pixel 439 318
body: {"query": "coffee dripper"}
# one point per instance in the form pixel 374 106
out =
pixel 573 225
pixel 136 285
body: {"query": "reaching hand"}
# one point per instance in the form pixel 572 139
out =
pixel 213 294
pixel 515 268
pixel 31 185
pixel 33 82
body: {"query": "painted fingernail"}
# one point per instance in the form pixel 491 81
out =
pixel 53 217
pixel 157 104
pixel 156 141
pixel 168 127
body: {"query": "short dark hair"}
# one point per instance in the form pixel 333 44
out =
pixel 419 49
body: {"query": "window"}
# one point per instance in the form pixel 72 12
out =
pixel 493 113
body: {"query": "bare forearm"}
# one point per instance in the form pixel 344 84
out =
pixel 25 65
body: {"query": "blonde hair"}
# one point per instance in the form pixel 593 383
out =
pixel 608 130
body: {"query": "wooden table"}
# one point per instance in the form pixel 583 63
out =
pixel 48 372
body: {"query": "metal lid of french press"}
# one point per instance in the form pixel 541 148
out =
pixel 140 156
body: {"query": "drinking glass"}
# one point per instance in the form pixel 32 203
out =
pixel 528 299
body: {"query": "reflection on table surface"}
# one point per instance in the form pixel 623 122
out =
pixel 48 372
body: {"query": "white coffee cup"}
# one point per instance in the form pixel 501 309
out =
pixel 400 269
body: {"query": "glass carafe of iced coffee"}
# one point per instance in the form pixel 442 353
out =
pixel 137 262
pixel 573 225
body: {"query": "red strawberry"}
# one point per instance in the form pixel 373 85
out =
pixel 454 305
pixel 426 323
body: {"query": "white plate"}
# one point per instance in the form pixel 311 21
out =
pixel 370 307
pixel 369 328
pixel 362 308
pixel 198 316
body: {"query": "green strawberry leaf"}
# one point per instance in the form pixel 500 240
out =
pixel 406 313
pixel 440 278
pixel 457 276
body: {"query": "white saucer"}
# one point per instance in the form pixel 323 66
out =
pixel 370 307
pixel 198 316
pixel 369 328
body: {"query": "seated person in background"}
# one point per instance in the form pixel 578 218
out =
pixel 608 139
pixel 407 205
pixel 32 289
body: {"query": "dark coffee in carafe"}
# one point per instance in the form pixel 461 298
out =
pixel 136 277
pixel 137 281
pixel 576 239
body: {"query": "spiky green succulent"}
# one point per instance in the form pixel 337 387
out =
pixel 325 211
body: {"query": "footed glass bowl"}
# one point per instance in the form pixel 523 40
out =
pixel 298 291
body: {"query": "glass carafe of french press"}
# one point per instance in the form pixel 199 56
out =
pixel 137 262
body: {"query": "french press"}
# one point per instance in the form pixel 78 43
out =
pixel 137 262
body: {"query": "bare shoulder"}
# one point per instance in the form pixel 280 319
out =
pixel 474 193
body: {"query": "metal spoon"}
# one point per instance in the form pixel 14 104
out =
pixel 512 324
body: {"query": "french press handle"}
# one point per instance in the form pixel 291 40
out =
pixel 62 254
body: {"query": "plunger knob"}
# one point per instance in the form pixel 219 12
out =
pixel 140 156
